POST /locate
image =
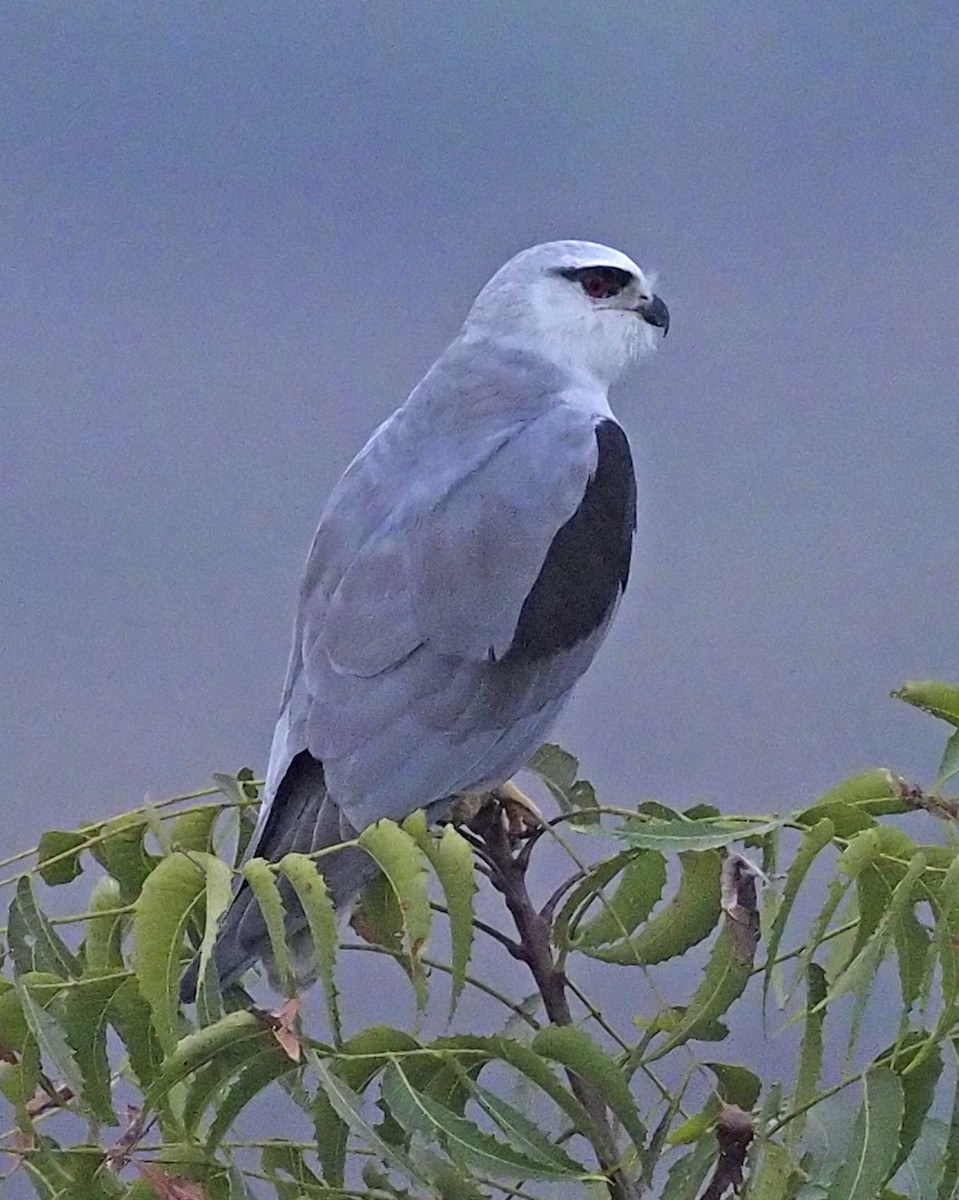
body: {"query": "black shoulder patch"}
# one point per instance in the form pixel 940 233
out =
pixel 587 564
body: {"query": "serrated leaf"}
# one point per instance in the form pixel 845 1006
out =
pixel 639 890
pixel 358 1061
pixel 268 1065
pixel 736 1085
pixel 576 1050
pixel 878 792
pixel 670 836
pixel 690 916
pixel 524 1135
pixel 417 1112
pixel 814 841
pixel 34 944
pixel 170 897
pixel 452 859
pixel 533 1067
pixel 811 1050
pixel 875 1139
pixel 949 767
pixel 312 893
pixel 86 1015
pixel 724 981
pixel 50 1038
pixel 687 1174
pixel 557 768
pixel 939 699
pixel 348 1106
pixel 776 1175
pixel 257 873
pixel 132 1018
pixel 231 1040
pixel 404 867
pixel 102 934
pixel 194 830
pixel 58 856
pixel 122 853
pixel 919 1068
pixel 949 1180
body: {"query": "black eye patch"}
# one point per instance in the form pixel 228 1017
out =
pixel 599 283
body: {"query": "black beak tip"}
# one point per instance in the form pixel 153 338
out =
pixel 656 313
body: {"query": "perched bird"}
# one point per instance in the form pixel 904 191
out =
pixel 464 573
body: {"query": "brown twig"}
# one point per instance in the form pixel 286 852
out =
pixel 508 877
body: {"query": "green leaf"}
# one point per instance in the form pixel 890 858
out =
pixel 58 856
pixel 949 767
pixel 122 853
pixel 194 830
pixel 452 859
pixel 875 1140
pixel 918 1068
pixel 640 887
pixel 577 1051
pixel 86 1015
pixel 670 836
pixel 102 934
pixel 690 916
pixel 348 1106
pixel 724 981
pixel 257 873
pixel 776 1175
pixel 132 1018
pixel 170 897
pixel 736 1085
pixel 687 1174
pixel 939 699
pixel 14 1030
pixel 878 792
pixel 50 1038
pixel 524 1135
pixel 404 868
pixel 218 891
pixel 814 841
pixel 33 943
pixel 266 1066
pixel 358 1061
pixel 558 769
pixel 311 891
pixel 811 1050
pixel 233 1039
pixel 532 1065
pixel 949 1180
pixel 463 1139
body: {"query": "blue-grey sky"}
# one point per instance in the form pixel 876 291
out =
pixel 234 237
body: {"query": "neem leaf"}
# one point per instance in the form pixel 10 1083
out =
pixel 170 896
pixel 312 893
pixel 58 856
pixel 639 889
pixel 724 981
pixel 811 1050
pixel 576 1050
pixel 50 1038
pixel 673 835
pixel 404 868
pixel 872 1151
pixel 34 944
pixel 918 1089
pixel 257 1073
pixel 814 840
pixel 121 852
pixel 261 879
pixel 86 1015
pixel 102 934
pixel 417 1112
pixel 690 916
pixel 452 859
pixel 194 830
pixel 939 699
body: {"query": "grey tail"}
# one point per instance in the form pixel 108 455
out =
pixel 303 818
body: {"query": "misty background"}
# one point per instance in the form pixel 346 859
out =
pixel 234 237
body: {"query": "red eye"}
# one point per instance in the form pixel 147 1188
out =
pixel 599 283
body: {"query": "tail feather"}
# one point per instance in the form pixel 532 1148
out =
pixel 303 818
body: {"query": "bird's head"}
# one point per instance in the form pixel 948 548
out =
pixel 582 305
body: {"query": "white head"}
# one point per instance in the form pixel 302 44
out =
pixel 584 306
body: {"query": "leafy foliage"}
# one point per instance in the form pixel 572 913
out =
pixel 839 1083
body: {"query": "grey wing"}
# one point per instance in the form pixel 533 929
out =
pixel 444 622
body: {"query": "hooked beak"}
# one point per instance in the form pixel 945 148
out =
pixel 655 312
